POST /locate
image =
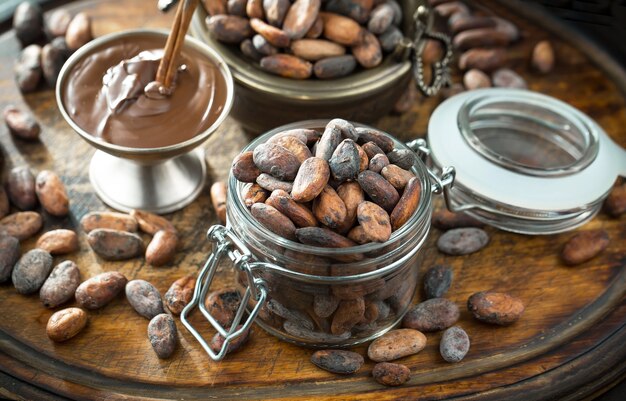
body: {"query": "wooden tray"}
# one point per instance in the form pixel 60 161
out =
pixel 568 345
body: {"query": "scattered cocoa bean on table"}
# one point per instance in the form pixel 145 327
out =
pixel 454 345
pixel 144 298
pixel 150 223
pixel 391 374
pixel 114 244
pixel 162 248
pixel 163 335
pixel 99 290
pixel 21 188
pixel 396 344
pixel 615 204
pixel 58 242
pixel 22 123
pixel 28 22
pixel 495 307
pixel 462 241
pixel 51 193
pixel 180 294
pixel 110 220
pixel 338 361
pixel 66 324
pixel 21 225
pixel 31 270
pixel 61 285
pixel 437 281
pixel 9 255
pixel 432 315
pixel 584 246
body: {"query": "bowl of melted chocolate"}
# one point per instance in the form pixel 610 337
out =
pixel 146 136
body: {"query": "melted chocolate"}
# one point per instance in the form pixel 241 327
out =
pixel 110 94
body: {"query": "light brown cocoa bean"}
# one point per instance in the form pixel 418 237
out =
pixel 311 179
pixel 407 205
pixel 21 225
pixel 28 70
pixel 218 199
pixel 316 49
pixel 380 19
pixel 99 290
pixel 480 38
pixel 229 28
pixel 56 23
pixel 180 294
pixel 274 220
pixel 61 285
pixel 483 59
pixel 316 29
pixel 352 195
pixel 366 135
pixel 476 79
pixel 254 9
pixel 21 123
pixel 432 51
pixel 28 22
pixel 9 255
pixel 379 189
pixel 364 161
pixel 543 57
pixel 66 324
pixel 391 374
pixel 615 204
pixel 329 209
pixel 5 206
pixel 495 307
pixel 217 342
pixel 345 161
pixel 144 298
pixel 378 162
pixel 243 167
pixel 150 223
pixel 276 10
pixel 506 78
pixel 462 22
pixel 397 177
pixel 287 66
pixel 374 221
pixel 254 193
pixel 323 237
pixel 114 244
pixel 299 214
pixel 223 305
pixel 215 7
pixel 58 242
pixel 21 188
pixel 368 52
pixel 584 246
pixel 347 315
pixel 270 183
pixel 342 30
pixel 78 32
pixel 300 18
pixel 295 146
pixel 162 248
pixel 163 335
pixel 357 234
pixel 51 193
pixel 112 220
pixel 237 7
pixel 275 36
pixel 31 271
pixel 396 344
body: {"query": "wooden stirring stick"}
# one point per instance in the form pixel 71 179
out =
pixel 168 65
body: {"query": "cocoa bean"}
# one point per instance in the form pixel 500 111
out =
pixel 615 204
pixel 475 79
pixel 379 189
pixel 254 193
pixel 287 66
pixel 21 123
pixel 300 215
pixel 163 335
pixel 340 29
pixel 150 223
pixel 56 23
pixel 291 315
pixel 275 36
pixel 397 11
pixel 432 315
pixel 338 361
pixel 374 221
pixel 5 206
pixel 323 237
pixel 28 22
pixel 358 10
pixel 114 244
pixel 396 344
pixel 314 336
pixel 331 138
pixel 21 225
pixel 9 255
pixel 325 305
pixel 483 59
pixel 316 49
pixel 162 248
pixel 276 10
pixel 237 7
pixel 366 135
pixel 31 271
pixel 144 298
pixel 300 18
pixel 295 146
pixel 223 306
pixel 378 162
pixel 358 235
pixel 462 241
pixel 316 29
pixel 364 161
pixel 368 51
pixel 28 71
pixel 270 183
pixel 381 18
pixel 390 39
pixel 21 188
pixel 262 46
pixel 352 195
pixel 66 324
pixel 215 7
pixel 444 219
pixel 437 281
pixel 584 246
pixel 462 22
pixel 311 179
pixel 480 38
pixel 431 52
pixel 506 78
pixel 345 161
pixel 248 50
pixel 112 220
pixel 391 374
pixel 345 127
pixel 347 315
pixel 229 28
pixel 274 220
pixel 447 9
pixel 495 307
pixel 61 285
pixel 543 57
pixel 454 344
pixel 300 134
pixel 254 9
pixel 53 57
pixel 218 199
pixel 217 342
pixel 78 31
pixel 371 149
pixel 99 290
pixel 403 158
pixel 51 193
pixel 180 294
pixel 243 167
pixel 397 177
pixel 329 209
pixel 58 242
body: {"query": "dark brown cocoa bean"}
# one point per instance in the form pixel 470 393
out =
pixel 291 315
pixel 342 30
pixel 28 22
pixel 437 281
pixel 218 200
pixel 300 18
pixel 215 7
pixel 296 330
pixel 396 344
pixel 352 195
pixel 287 66
pixel 276 160
pixel 480 38
pixel 254 9
pixel 334 67
pixel 27 70
pixel 276 10
pixel 381 140
pixel 371 149
pixel 229 28
pixel 5 206
pixel 99 290
pixel 21 123
pixel 381 18
pixel 217 342
pixel 508 28
pixel 358 10
pixel 506 78
pixel 243 167
pixel 329 209
pixel 180 294
pixel 397 177
pixel 454 344
pixel 114 244
pixel 151 223
pixel 391 374
pixel 348 314
pixel 144 298
pixel 56 23
pixel 397 11
pixel 21 225
pixel 248 50
pixel 368 52
pixel 338 361
pixel 53 56
pixel 495 307
pixel 275 36
pixel 325 305
pixel 112 220
pixel 274 220
pixel 58 242
pixel 403 158
pixel 462 241
pixel 345 161
pixel 254 193
pixel 9 255
pixel 379 189
pixel 31 271
pixel 262 46
pixel 237 7
pixel 476 79
pixel 311 179
pixel 374 221
pixel 390 39
pixel 51 193
pixel 462 22
pixel 378 162
pixel 66 324
pixel 78 31
pixel 21 188
pixel 162 248
pixel 543 57
pixel 295 146
pixel 323 237
pixel 300 215
pixel 444 219
pixel 61 285
pixel 584 246
pixel 270 183
pixel 483 59
pixel 432 315
pixel 615 204
pixel 163 335
pixel 447 9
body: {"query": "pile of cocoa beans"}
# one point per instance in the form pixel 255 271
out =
pixel 308 38
pixel 344 187
pixel 59 32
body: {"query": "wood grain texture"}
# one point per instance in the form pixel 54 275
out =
pixel 568 345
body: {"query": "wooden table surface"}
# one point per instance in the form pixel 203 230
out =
pixel 568 345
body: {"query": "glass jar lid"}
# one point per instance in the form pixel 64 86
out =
pixel 525 162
